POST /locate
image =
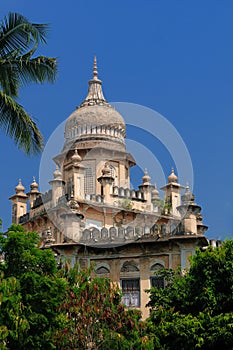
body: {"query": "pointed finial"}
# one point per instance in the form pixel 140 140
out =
pixel 95 72
pixel 34 179
pixel 146 178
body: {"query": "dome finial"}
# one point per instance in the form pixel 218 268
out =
pixel 95 72
pixel 172 177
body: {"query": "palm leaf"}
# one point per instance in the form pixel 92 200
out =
pixel 16 123
pixel 9 79
pixel 22 70
pixel 16 32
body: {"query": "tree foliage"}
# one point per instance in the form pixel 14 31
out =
pixel 42 307
pixel 30 292
pixel 94 317
pixel 195 310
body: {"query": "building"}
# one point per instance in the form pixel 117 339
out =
pixel 92 215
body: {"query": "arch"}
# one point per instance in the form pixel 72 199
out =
pixel 86 236
pixel 158 264
pixel 129 266
pixel 104 233
pixel 102 268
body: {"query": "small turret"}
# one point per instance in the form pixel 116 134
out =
pixel 34 192
pixel 146 186
pixel 19 203
pixel 191 214
pixel 57 185
pixel 172 193
pixel 106 181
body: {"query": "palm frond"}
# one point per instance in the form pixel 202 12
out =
pixel 9 78
pixel 16 32
pixel 17 124
pixel 23 70
pixel 39 69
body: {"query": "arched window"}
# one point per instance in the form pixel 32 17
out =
pixel 157 281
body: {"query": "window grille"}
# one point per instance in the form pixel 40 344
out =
pixel 157 282
pixel 131 292
pixel 89 181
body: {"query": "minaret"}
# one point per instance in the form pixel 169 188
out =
pixel 191 214
pixel 146 186
pixel 34 192
pixel 172 193
pixel 74 175
pixel 155 200
pixel 78 175
pixel 57 186
pixel 106 180
pixel 19 203
pixel 72 220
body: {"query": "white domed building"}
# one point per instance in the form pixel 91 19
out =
pixel 92 215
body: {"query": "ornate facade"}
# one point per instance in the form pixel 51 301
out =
pixel 92 215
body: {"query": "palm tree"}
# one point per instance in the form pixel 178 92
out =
pixel 19 40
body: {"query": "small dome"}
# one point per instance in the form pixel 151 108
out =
pixel 76 157
pixel 155 193
pixel 57 174
pixel 146 178
pixel 34 185
pixel 19 188
pixel 188 196
pixel 106 171
pixel 172 177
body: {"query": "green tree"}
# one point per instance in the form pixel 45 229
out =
pixel 19 39
pixel 94 318
pixel 30 292
pixel 195 310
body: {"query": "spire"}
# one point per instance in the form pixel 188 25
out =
pixel 95 94
pixel 95 72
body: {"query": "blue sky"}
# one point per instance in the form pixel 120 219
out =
pixel 175 57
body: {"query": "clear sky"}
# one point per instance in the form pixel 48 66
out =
pixel 175 57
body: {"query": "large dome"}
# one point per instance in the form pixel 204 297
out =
pixel 95 118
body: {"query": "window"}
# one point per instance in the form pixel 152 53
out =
pixel 89 181
pixel 157 281
pixel 70 187
pixel 113 174
pixel 21 210
pixel 131 292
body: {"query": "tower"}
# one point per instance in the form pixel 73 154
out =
pixel 34 192
pixel 94 135
pixel 19 203
pixel 172 194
